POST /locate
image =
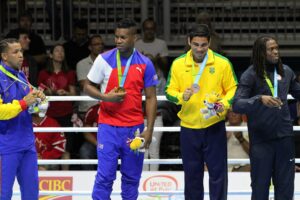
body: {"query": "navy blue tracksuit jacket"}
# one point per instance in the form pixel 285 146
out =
pixel 270 130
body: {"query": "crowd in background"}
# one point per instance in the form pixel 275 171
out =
pixel 62 70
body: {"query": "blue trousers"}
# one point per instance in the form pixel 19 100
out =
pixel 22 165
pixel 273 159
pixel 112 144
pixel 199 146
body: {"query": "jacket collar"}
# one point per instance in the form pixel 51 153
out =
pixel 9 69
pixel 189 58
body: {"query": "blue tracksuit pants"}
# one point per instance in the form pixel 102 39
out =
pixel 199 146
pixel 112 144
pixel 22 165
pixel 273 159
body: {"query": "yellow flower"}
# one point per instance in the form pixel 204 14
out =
pixel 136 143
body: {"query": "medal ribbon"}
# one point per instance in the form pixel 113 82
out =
pixel 121 77
pixel 7 73
pixel 274 90
pixel 199 74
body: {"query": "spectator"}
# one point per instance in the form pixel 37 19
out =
pixel 77 47
pixel 262 96
pixel 121 114
pixel 48 145
pixel 151 45
pixel 58 80
pixel 96 46
pixel 37 48
pixel 204 107
pixel 215 40
pixel 88 149
pixel 29 65
pixel 237 142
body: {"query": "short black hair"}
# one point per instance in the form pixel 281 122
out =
pixel 4 44
pixel 17 32
pixel 149 20
pixel 26 14
pixel 199 30
pixel 81 24
pixel 94 36
pixel 128 24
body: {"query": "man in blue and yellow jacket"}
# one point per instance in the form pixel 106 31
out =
pixel 203 83
pixel 18 156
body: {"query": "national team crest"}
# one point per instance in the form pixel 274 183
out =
pixel 212 70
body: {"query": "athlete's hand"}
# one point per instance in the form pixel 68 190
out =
pixel 114 96
pixel 147 135
pixel 40 94
pixel 30 98
pixel 271 101
pixel 62 92
pixel 187 94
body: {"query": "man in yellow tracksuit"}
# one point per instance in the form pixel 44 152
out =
pixel 203 83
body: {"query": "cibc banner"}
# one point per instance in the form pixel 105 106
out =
pixel 166 181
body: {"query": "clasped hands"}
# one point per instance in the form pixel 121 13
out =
pixel 271 101
pixel 32 97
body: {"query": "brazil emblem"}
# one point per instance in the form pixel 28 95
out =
pixel 212 70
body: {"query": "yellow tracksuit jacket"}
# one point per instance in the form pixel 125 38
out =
pixel 217 77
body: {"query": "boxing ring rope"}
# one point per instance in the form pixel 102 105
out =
pixel 146 161
pixel 142 193
pixel 87 98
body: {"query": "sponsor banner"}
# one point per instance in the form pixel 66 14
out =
pixel 150 181
pixel 54 183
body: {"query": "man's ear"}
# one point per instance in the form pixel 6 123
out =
pixel 189 41
pixel 4 56
pixel 135 37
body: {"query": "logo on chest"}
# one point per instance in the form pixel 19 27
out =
pixel 212 70
pixel 139 69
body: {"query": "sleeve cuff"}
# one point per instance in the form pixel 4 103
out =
pixel 254 99
pixel 23 104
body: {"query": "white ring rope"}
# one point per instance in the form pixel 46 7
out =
pixel 95 129
pixel 163 193
pixel 164 129
pixel 87 98
pixel 146 161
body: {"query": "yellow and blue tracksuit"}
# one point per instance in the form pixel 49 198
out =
pixel 18 156
pixel 202 140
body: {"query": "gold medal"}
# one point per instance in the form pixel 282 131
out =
pixel 120 89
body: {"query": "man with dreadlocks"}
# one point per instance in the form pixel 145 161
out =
pixel 262 96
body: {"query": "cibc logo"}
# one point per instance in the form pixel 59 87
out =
pixel 160 183
pixel 55 184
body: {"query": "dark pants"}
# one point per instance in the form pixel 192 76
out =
pixel 199 146
pixel 273 159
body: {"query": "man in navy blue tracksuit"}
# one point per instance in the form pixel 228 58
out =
pixel 262 95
